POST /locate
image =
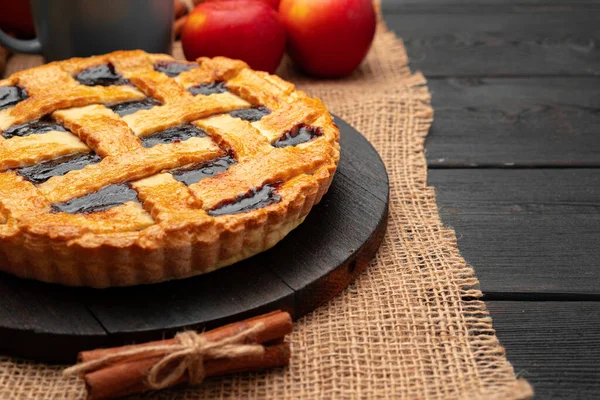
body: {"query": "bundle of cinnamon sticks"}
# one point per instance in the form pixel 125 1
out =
pixel 121 371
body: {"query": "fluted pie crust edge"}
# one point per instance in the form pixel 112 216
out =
pixel 94 250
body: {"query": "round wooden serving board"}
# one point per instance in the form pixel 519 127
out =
pixel 313 263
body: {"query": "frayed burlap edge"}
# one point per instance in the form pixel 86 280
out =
pixel 412 326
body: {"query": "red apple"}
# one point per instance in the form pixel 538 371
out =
pixel 272 3
pixel 249 30
pixel 328 38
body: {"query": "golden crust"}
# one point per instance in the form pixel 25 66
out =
pixel 170 233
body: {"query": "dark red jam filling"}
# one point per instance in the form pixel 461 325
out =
pixel 173 135
pixel 251 114
pixel 11 95
pixel 205 170
pixel 254 199
pixel 130 107
pixel 173 68
pixel 298 134
pixel 101 75
pixel 59 166
pixel 208 88
pixel 42 125
pixel 107 197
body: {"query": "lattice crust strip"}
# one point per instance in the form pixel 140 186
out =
pixel 211 149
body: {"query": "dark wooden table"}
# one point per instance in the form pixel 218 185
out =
pixel 514 155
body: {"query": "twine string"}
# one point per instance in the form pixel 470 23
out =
pixel 188 353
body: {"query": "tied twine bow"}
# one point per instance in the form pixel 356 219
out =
pixel 187 354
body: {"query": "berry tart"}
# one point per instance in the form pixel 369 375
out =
pixel 133 168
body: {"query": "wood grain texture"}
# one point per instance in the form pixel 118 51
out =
pixel 500 43
pixel 37 319
pixel 148 312
pixel 525 231
pixel 312 264
pixel 530 233
pixel 554 345
pixel 396 6
pixel 514 122
pixel 388 5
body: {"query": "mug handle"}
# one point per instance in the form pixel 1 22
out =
pixel 32 46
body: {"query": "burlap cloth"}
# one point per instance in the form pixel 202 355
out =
pixel 411 326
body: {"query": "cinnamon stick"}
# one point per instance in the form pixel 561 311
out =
pixel 180 8
pixel 128 375
pixel 178 26
pixel 277 325
pixel 4 56
pixel 128 378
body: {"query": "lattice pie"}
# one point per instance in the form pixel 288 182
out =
pixel 133 168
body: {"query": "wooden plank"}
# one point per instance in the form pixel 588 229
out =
pixel 149 312
pixel 500 44
pixel 554 345
pixel 525 231
pixel 391 6
pixel 507 122
pixel 27 306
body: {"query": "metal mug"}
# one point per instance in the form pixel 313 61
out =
pixel 81 28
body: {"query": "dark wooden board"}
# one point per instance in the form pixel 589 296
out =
pixel 530 234
pixel 391 5
pixel 515 122
pixel 500 44
pixel 36 319
pixel 511 122
pixel 307 268
pixel 460 6
pixel 145 313
pixel 554 345
pixel 525 231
